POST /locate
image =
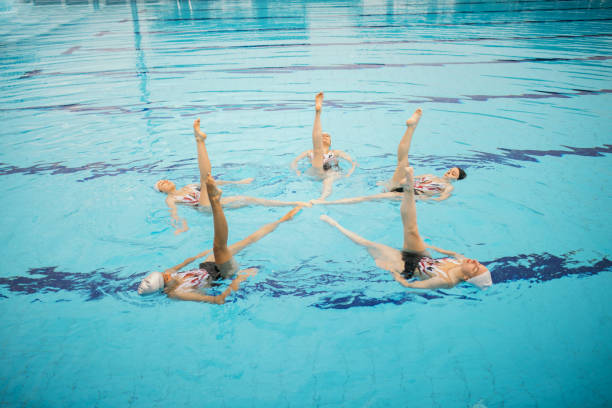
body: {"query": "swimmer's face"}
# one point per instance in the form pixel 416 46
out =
pixel 471 268
pixel 452 173
pixel 326 140
pixel 165 186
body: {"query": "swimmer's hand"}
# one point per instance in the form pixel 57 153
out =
pixel 180 229
pixel 242 276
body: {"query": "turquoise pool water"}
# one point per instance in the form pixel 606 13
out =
pixel 97 100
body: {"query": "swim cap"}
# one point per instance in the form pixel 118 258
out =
pixel 483 280
pixel 151 284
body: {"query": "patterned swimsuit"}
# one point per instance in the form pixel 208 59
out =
pixel 193 279
pixel 329 160
pixel 191 196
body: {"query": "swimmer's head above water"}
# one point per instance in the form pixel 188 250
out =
pixel 476 273
pixel 153 282
pixel 455 173
pixel 165 186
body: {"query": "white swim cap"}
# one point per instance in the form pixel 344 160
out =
pixel 151 284
pixel 483 280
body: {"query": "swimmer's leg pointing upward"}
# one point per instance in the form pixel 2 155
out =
pixel 412 239
pixel 317 135
pixel 386 257
pixel 220 250
pixel 203 161
pixel 404 147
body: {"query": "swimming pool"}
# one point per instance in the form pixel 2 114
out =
pixel 97 101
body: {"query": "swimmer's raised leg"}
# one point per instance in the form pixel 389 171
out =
pixel 404 147
pixel 328 182
pixel 244 201
pixel 220 250
pixel 412 239
pixel 386 257
pixel 203 160
pixel 262 232
pixel 317 135
pixel 353 200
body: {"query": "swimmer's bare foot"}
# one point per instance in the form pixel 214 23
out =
pixel 328 219
pixel 199 135
pixel 319 102
pixel 414 119
pixel 290 214
pixel 211 188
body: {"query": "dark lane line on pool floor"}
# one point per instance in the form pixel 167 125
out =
pixel 480 159
pixel 95 285
pixel 298 68
pixel 301 105
pixel 343 44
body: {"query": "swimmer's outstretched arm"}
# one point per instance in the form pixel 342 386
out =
pixel 295 161
pixel 444 194
pixel 345 156
pixel 431 283
pixel 176 220
pixel 218 299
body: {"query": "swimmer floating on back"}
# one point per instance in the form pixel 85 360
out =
pixel 190 194
pixel 221 265
pixel 323 160
pixel 426 186
pixel 413 261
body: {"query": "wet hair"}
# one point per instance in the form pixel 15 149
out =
pixel 462 174
pixel 212 269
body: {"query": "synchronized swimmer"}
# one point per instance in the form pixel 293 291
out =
pixel 325 162
pixel 426 186
pixel 188 285
pixel 191 193
pixel 413 261
pixel 412 267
